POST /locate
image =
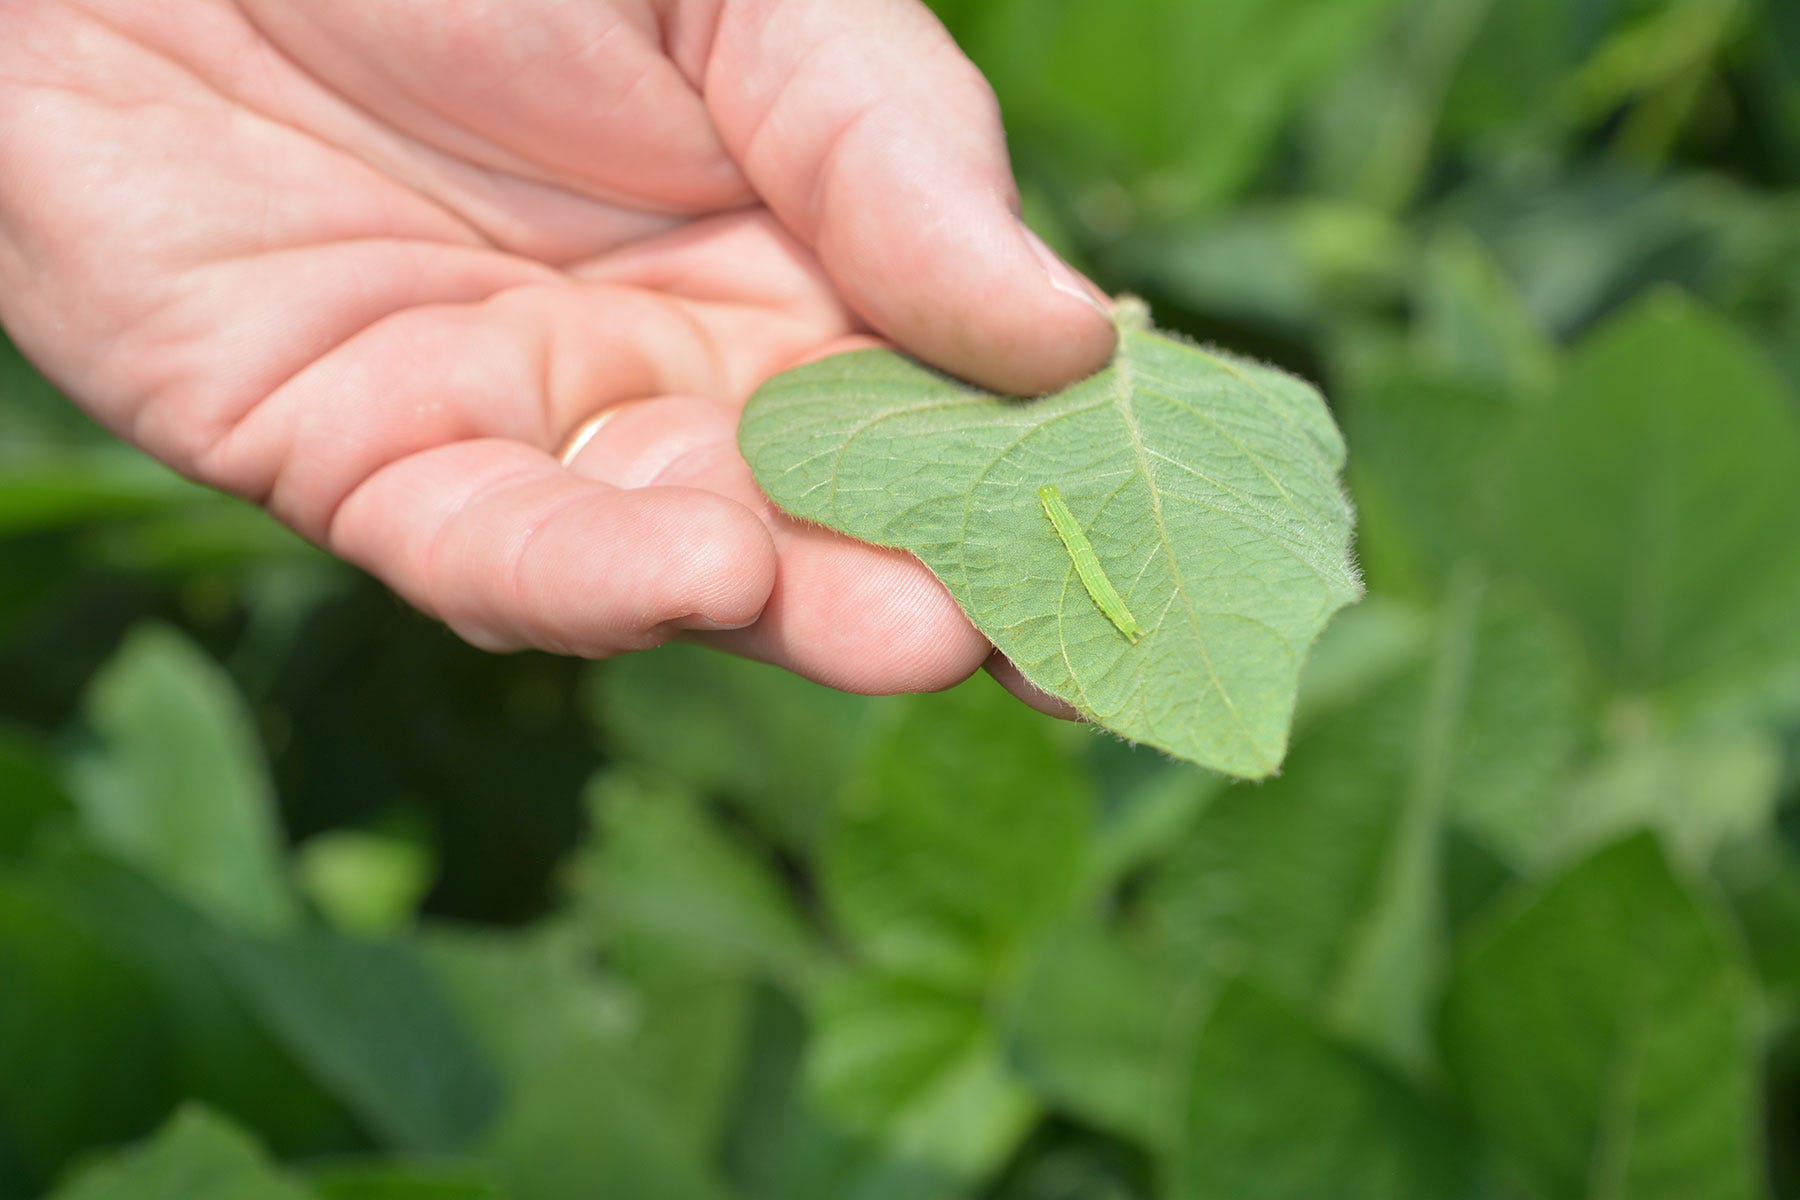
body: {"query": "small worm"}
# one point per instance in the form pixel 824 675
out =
pixel 1087 564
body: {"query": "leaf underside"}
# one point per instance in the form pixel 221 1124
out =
pixel 1208 486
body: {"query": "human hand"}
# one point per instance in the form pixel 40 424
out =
pixel 378 266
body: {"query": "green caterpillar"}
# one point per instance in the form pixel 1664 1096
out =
pixel 1087 564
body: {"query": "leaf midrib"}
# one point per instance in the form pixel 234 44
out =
pixel 1122 399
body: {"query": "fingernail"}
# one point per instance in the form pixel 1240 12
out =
pixel 1067 279
pixel 700 624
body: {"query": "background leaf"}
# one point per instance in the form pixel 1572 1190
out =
pixel 84 1052
pixel 578 1105
pixel 175 782
pixel 916 1070
pixel 668 874
pixel 1601 1032
pixel 958 839
pixel 1652 501
pixel 774 744
pixel 369 1023
pixel 1259 1072
pixel 198 1156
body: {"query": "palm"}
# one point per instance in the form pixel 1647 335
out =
pixel 376 265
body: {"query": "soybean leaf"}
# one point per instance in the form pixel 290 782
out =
pixel 688 1043
pixel 1325 886
pixel 1653 503
pixel 1602 1034
pixel 30 797
pixel 1427 451
pixel 365 882
pixel 371 1024
pixel 1473 323
pixel 666 872
pixel 85 1052
pixel 1286 266
pixel 1103 1027
pixel 1259 1072
pixel 955 845
pixel 1762 881
pixel 108 483
pixel 579 1110
pixel 1521 54
pixel 174 781
pixel 1701 792
pixel 1584 243
pixel 1206 484
pixel 915 1070
pixel 196 1156
pixel 771 742
pixel 1184 101
pixel 400 1182
pixel 225 1058
pixel 1074 1167
pixel 1371 129
pixel 959 837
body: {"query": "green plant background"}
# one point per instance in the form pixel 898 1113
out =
pixel 301 898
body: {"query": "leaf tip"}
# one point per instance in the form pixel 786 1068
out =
pixel 1131 314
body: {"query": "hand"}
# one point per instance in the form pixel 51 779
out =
pixel 379 267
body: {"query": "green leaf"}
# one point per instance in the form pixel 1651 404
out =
pixel 581 1110
pixel 665 872
pixel 1279 1111
pixel 959 837
pixel 386 1181
pixel 1585 242
pixel 363 882
pixel 1370 131
pixel 1207 485
pixel 30 797
pixel 1700 792
pixel 85 1054
pixel 174 781
pixel 1326 885
pixel 1427 449
pixel 1074 1168
pixel 372 1025
pixel 688 1043
pixel 775 744
pixel 1602 1034
pixel 1473 324
pixel 197 1156
pixel 107 483
pixel 1103 1029
pixel 1287 266
pixel 1762 881
pixel 1653 503
pixel 1518 66
pixel 917 1071
pixel 222 1057
pixel 1185 101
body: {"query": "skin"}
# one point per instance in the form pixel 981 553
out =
pixel 376 266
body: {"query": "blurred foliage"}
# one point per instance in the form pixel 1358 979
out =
pixel 301 898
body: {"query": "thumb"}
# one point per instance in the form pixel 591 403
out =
pixel 871 136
